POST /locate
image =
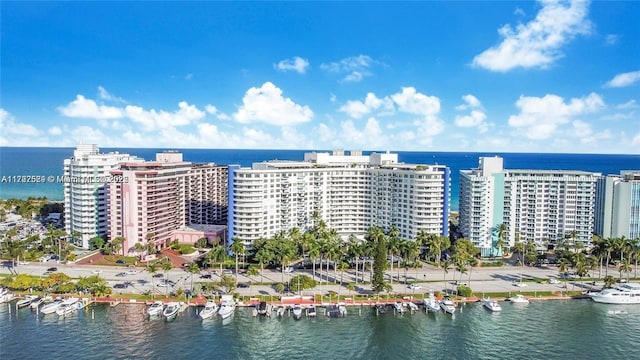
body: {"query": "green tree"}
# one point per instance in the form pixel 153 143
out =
pixel 192 269
pixel 152 268
pixel 166 266
pixel 237 248
pixel 302 282
pixel 96 243
pixel 227 284
pixel 378 237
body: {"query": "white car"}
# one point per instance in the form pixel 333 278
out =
pixel 554 281
pixel 97 271
pixel 414 287
pixel 519 284
pixel 288 269
pixel 131 272
pixel 22 262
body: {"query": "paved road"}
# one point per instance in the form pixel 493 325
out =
pixel 428 279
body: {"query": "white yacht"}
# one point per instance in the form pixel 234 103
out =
pixel 51 307
pixel 412 306
pixel 171 310
pixel 210 309
pixel 36 303
pixel 155 309
pixel 311 311
pixel 431 303
pixel 622 294
pixel 491 305
pixel 67 307
pixel 518 299
pixel 227 306
pixel 5 295
pixel 26 301
pixel 448 305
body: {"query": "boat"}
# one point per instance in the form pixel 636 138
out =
pixel 67 307
pixel 412 306
pixel 518 299
pixel 297 311
pixel 26 301
pixel 280 311
pixel 51 307
pixel 311 311
pixel 431 303
pixel 210 309
pixel 398 307
pixel 628 293
pixel 5 295
pixel 155 309
pixel 491 305
pixel 447 305
pixel 227 306
pixel 336 311
pixel 381 308
pixel 36 303
pixel 263 308
pixel 171 310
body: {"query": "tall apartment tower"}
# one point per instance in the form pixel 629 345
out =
pixel 351 193
pixel 85 195
pixel 539 205
pixel 618 205
pixel 161 196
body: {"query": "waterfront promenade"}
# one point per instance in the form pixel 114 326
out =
pixel 429 278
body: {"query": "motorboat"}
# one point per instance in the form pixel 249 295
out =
pixel 311 311
pixel 518 299
pixel 447 305
pixel 280 311
pixel 381 308
pixel 263 309
pixel 210 309
pixel 36 303
pixel 336 311
pixel 171 310
pixel 67 307
pixel 431 303
pixel 297 311
pixel 5 295
pixel 412 306
pixel 155 309
pixel 398 307
pixel 51 307
pixel 26 301
pixel 491 305
pixel 628 293
pixel 227 306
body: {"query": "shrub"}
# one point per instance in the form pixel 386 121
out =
pixel 464 291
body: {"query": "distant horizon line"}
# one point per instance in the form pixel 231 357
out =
pixel 320 150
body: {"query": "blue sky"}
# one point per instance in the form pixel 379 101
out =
pixel 547 76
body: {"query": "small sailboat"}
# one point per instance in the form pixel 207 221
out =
pixel 210 309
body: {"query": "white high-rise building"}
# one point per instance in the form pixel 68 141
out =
pixel 85 196
pixel 351 193
pixel 539 205
pixel 618 205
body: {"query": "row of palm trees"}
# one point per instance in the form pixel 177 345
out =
pixel 620 250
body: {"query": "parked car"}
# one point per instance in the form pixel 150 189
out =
pixel 158 275
pixel 205 276
pixel 414 287
pixel 554 281
pixel 120 286
pixel 121 274
pixel 120 261
pixel 288 269
pixel 131 272
pixel 227 272
pixel 243 285
pixel 52 269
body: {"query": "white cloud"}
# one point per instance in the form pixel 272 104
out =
pixel 355 67
pixel 413 102
pixel 103 94
pixel 540 118
pixel 477 116
pixel 211 109
pixel 537 43
pixel 152 119
pixel 357 109
pixel 612 39
pixel 266 104
pixel 624 79
pixel 296 64
pixel 86 108
pixel 55 130
pixel 11 128
pixel 470 101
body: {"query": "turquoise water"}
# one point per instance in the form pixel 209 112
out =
pixel 559 329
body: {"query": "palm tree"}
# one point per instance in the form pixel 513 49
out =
pixel 118 242
pixel 192 268
pixel 237 248
pixel 166 266
pixel 219 255
pixel 263 256
pixel 625 266
pixel 502 232
pixel 563 266
pixel 445 269
pixel 252 271
pixel 152 269
pixel 314 254
pixel 393 247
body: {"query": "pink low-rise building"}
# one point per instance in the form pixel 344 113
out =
pixel 215 234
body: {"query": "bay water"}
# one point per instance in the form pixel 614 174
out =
pixel 552 329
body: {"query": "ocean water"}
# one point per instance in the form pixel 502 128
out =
pixel 49 161
pixel 555 329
